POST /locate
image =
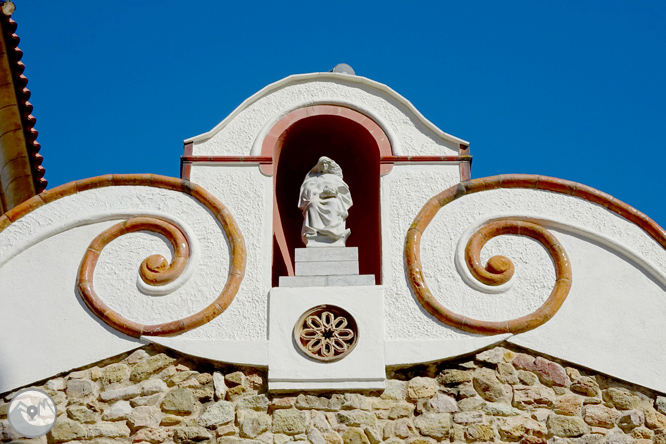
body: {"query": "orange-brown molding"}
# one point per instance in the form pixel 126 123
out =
pixel 154 269
pixel 270 149
pixel 269 160
pixel 186 167
pixel 465 168
pixel 499 269
pixel 271 146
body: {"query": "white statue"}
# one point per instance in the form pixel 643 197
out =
pixel 325 201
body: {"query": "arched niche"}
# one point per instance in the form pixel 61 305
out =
pixel 356 143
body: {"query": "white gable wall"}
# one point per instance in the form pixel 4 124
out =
pixel 611 321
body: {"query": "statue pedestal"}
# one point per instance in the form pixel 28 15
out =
pixel 310 309
pixel 362 368
pixel 327 267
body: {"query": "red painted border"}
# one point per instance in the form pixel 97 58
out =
pixel 186 166
pixel 271 146
pixel 269 160
pixel 465 168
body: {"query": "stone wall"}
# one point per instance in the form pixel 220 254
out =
pixel 499 395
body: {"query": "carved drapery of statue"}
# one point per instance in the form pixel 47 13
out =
pixel 325 201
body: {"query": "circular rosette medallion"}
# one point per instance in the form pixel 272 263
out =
pixel 326 333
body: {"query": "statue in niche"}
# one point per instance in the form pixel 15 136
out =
pixel 325 201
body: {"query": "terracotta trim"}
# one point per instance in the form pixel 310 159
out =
pixel 418 159
pixel 280 238
pixel 272 144
pixel 26 207
pixel 16 179
pixel 23 106
pixel 227 159
pixel 499 269
pixel 269 160
pixel 153 270
pixel 186 166
pixel 465 168
pixel 270 147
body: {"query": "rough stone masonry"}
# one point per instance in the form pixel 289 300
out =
pixel 499 395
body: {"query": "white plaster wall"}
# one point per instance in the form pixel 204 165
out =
pixel 534 276
pixel 242 133
pixel 404 191
pixel 248 194
pixel 363 368
pixel 46 327
pixel 612 321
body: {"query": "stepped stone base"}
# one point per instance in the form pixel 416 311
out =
pixel 328 281
pixel 327 267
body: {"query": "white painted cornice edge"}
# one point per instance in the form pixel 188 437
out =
pixel 398 353
pixel 341 78
pixel 404 353
pixel 253 353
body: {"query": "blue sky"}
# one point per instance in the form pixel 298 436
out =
pixel 567 89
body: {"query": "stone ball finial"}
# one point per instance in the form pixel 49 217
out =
pixel 343 68
pixel 7 8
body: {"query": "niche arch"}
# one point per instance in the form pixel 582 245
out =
pixel 357 144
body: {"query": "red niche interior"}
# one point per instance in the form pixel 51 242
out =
pixel 357 152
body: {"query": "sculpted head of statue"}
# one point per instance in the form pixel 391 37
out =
pixel 326 165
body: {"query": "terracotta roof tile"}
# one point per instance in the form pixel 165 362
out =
pixel 22 95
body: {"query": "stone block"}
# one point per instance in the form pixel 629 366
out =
pixel 354 435
pixel 328 268
pixel 567 426
pixel 469 404
pixel 290 421
pixel 326 254
pixel 179 401
pixel 67 430
pixel 147 366
pixel 488 386
pixel 661 404
pixel 421 387
pixel 81 414
pixel 79 388
pixel 359 280
pixel 435 425
pixel 349 280
pixel 395 390
pixel 480 432
pixel 219 385
pixel 302 281
pixel 252 424
pixel 356 418
pixel 187 435
pixel 144 416
pixel 118 411
pixel 254 402
pixel 622 399
pixel 473 417
pixel 221 412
